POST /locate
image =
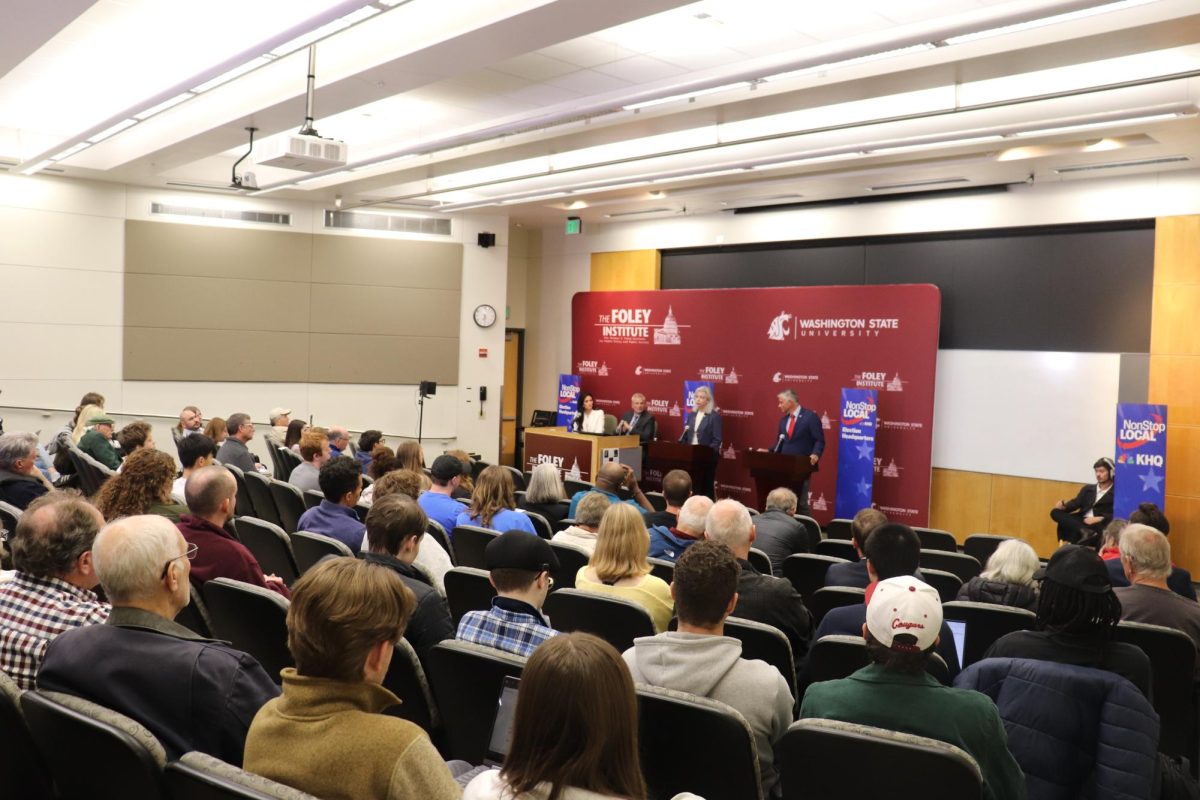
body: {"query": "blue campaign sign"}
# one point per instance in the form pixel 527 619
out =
pixel 689 393
pixel 1141 475
pixel 856 452
pixel 568 398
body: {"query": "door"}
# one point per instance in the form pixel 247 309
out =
pixel 510 398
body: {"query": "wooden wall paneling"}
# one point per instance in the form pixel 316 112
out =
pixel 1184 514
pixel 960 502
pixel 1021 507
pixel 1177 250
pixel 1175 381
pixel 627 270
pixel 1183 460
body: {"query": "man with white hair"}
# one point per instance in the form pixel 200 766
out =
pixel 21 482
pixel 190 692
pixel 670 543
pixel 800 434
pixel 762 598
pixel 277 433
pixel 1146 559
pixel 779 533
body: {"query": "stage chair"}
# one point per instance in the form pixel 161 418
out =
pixel 986 622
pixel 260 497
pixel 570 560
pixel 540 524
pixel 760 561
pixel 934 539
pixel 766 643
pixel 435 531
pixel 838 529
pixel 982 545
pixel 838 548
pixel 946 583
pixel 194 616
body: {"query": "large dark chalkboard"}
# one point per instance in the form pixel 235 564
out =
pixel 1076 288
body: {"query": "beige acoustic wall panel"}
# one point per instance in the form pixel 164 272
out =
pixel 364 261
pixel 183 301
pixel 386 311
pixel 349 358
pixel 179 354
pixel 166 248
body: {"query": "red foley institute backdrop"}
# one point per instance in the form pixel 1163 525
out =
pixel 752 343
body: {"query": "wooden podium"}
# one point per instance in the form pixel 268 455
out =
pixel 695 459
pixel 772 470
pixel 577 455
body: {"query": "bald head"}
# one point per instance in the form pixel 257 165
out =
pixel 130 555
pixel 692 515
pixel 206 491
pixel 610 477
pixel 730 524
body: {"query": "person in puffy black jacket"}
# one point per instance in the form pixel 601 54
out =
pixel 1008 579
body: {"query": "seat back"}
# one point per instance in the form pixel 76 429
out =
pixel 244 505
pixel 540 524
pixel 615 620
pixel 478 466
pixel 199 776
pixel 270 546
pixel 23 773
pixel 806 571
pixel 435 531
pixel 837 656
pixel 469 543
pixel 466 679
pixel 811 751
pixel 1172 666
pixel 570 560
pixel 839 529
pixel 309 548
pixel 961 565
pixel 518 477
pixel 661 568
pixel 658 501
pixel 563 524
pixel 986 623
pixel 276 465
pixel 934 539
pixel 838 548
pixel 981 546
pixel 467 589
pixel 92 474
pixel 91 751
pixel 946 583
pixel 766 643
pixel 10 515
pixel 252 619
pixel 194 616
pixel 289 501
pixel 716 759
pixel 827 598
pixel 572 486
pixel 260 497
pixel 810 525
pixel 406 679
pixel 312 498
pixel 288 461
pixel 760 561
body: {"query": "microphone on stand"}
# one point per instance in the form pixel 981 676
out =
pixel 778 444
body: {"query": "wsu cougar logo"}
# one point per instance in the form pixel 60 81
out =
pixel 779 329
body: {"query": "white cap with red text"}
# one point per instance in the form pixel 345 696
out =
pixel 905 605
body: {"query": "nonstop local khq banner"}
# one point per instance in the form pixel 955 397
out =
pixel 750 344
pixel 1141 474
pixel 568 399
pixel 856 446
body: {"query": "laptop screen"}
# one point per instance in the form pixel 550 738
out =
pixel 502 726
pixel 959 629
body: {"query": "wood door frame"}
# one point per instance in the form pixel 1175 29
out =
pixel 518 449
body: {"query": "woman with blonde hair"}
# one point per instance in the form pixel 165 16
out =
pixel 217 430
pixel 81 420
pixel 1008 579
pixel 409 455
pixel 493 504
pixel 619 566
pixel 143 486
pixel 545 494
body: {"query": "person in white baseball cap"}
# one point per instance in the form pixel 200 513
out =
pixel 904 618
pixel 277 433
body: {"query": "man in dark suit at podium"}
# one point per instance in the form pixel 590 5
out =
pixel 639 421
pixel 800 434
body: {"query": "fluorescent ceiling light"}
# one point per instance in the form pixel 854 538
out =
pixel 163 106
pixel 70 151
pixel 850 62
pixel 915 148
pixel 1084 126
pixel 111 131
pixel 915 184
pixel 689 96
pixel 1070 16
pixel 534 199
pixel 37 167
pixel 236 72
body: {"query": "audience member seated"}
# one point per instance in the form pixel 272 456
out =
pixel 439 502
pixel 195 453
pixel 134 437
pixel 409 455
pixel 21 482
pixel 327 735
pixel 609 479
pixel 1146 559
pixel 295 429
pixel 395 530
pixel 190 422
pixel 545 494
pixel 91 403
pixel 575 733
pixel 192 693
pixel 211 495
pixel 1084 516
pixel 762 598
pixel 670 543
pixel 279 418
pixel 519 568
pixel 143 486
pixel 314 454
pixel 383 461
pixel 1008 579
pixel 432 558
pixel 493 504
pixel 1179 581
pixel 1076 614
pixel 619 568
pixel 233 450
pixel 339 441
pixel 892 550
pixel 467 485
pixel 51 590
pixel 583 533
pixel 854 573
pixel 98 442
pixel 1110 540
pixel 83 421
pixel 779 533
pixel 676 489
pixel 217 429
pixel 701 660
pixel 341 483
pixel 366 445
pixel 896 693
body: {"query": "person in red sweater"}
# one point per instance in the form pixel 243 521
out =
pixel 211 495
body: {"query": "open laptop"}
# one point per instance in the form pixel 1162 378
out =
pixel 501 738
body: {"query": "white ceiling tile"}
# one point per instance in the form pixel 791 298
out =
pixel 697 58
pixel 588 81
pixel 543 94
pixel 641 69
pixel 919 10
pixel 535 67
pixel 586 51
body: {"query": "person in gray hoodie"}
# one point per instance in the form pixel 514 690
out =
pixel 701 660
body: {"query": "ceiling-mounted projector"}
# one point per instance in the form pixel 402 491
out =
pixel 304 153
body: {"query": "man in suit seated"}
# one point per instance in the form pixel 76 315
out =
pixel 854 573
pixel 800 434
pixel 190 692
pixel 779 533
pixel 1084 517
pixel 638 421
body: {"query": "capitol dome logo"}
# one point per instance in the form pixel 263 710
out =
pixel 668 333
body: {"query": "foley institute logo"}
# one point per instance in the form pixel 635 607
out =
pixel 634 326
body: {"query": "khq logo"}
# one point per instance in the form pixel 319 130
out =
pixel 778 330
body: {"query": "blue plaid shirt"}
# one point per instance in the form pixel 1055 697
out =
pixel 510 625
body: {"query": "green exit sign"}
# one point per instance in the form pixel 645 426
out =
pixel 574 225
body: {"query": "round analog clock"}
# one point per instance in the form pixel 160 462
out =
pixel 485 316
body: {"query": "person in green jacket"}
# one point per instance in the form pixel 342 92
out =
pixel 97 442
pixel 904 617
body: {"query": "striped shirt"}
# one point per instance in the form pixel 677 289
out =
pixel 33 611
pixel 509 625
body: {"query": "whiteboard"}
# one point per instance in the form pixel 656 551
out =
pixel 1033 414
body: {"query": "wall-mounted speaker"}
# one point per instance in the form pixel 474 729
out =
pixel 487 239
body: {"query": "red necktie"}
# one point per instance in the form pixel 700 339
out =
pixel 791 425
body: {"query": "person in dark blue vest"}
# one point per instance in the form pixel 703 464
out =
pixel 703 427
pixel 800 434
